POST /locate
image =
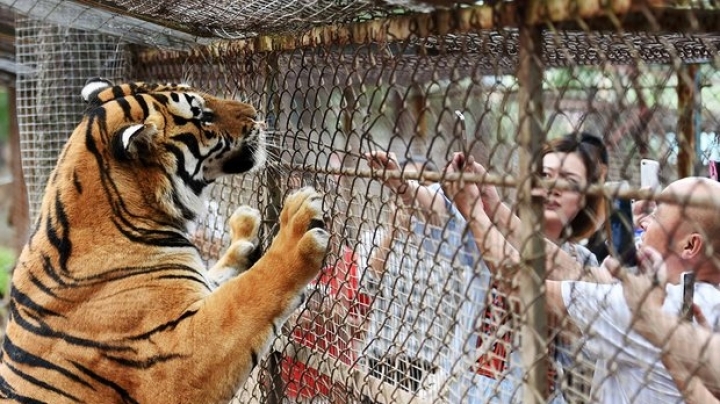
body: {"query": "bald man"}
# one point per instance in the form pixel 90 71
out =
pixel 629 366
pixel 694 366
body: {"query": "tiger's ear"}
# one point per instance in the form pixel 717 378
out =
pixel 135 141
pixel 93 87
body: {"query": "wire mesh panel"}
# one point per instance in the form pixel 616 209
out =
pixel 58 61
pixel 473 176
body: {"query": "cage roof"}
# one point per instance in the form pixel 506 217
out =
pixel 576 32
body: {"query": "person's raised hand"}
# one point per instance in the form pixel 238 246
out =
pixel 641 208
pixel 644 293
pixel 385 161
pixel 464 194
pixel 488 193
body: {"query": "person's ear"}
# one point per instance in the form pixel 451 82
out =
pixel 693 246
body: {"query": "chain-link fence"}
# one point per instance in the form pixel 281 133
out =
pixel 414 304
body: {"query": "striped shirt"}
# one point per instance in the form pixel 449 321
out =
pixel 426 302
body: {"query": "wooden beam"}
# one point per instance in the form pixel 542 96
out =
pixel 688 92
pixel 19 210
pixel 567 14
pixel 531 278
pixel 651 20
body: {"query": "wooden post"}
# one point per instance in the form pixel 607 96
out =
pixel 19 208
pixel 418 101
pixel 275 388
pixel 688 91
pixel 533 329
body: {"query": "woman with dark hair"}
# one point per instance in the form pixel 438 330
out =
pixel 570 215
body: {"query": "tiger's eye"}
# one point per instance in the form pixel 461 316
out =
pixel 207 116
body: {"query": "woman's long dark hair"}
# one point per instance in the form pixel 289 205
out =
pixel 593 154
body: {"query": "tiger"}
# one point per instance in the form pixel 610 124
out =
pixel 110 300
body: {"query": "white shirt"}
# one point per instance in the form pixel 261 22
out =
pixel 629 368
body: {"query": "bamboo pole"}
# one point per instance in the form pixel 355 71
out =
pixel 531 136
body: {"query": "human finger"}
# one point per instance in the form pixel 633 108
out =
pixel 469 164
pixel 651 262
pixel 700 316
pixel 615 268
pixel 374 158
pixel 478 168
pixel 458 159
pixel 642 208
pixel 381 159
pixel 450 188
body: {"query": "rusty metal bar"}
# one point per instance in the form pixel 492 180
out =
pixel 531 136
pixel 610 191
pixel 688 93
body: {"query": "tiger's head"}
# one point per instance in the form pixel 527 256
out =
pixel 166 144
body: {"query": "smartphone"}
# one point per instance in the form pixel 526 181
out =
pixel 649 174
pixel 688 282
pixel 622 234
pixel 467 145
pixel 714 170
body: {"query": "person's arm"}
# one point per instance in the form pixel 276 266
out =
pixel 497 252
pixel 691 384
pixel 411 193
pixel 380 253
pixel 641 208
pixel 424 200
pixel 497 245
pixel 561 266
pixel 645 295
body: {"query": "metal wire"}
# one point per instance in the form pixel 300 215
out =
pixel 415 330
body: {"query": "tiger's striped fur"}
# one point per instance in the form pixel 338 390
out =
pixel 110 301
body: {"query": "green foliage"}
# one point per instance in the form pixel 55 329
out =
pixel 4 115
pixel 7 260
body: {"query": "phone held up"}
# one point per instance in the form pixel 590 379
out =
pixel 650 174
pixel 688 282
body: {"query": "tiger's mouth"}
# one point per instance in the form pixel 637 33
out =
pixel 251 156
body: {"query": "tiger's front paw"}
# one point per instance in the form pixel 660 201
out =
pixel 302 227
pixel 244 249
pixel 244 223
